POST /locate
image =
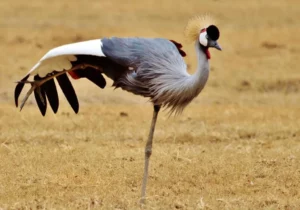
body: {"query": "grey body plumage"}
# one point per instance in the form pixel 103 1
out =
pixel 156 69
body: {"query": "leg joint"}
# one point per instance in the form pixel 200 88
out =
pixel 156 108
pixel 148 152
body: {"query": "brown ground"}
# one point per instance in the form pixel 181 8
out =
pixel 237 146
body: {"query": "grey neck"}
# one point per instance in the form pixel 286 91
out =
pixel 201 75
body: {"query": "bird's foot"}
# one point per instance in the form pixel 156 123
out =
pixel 34 85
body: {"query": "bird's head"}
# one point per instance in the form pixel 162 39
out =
pixel 201 29
pixel 208 37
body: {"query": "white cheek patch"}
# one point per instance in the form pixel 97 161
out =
pixel 203 39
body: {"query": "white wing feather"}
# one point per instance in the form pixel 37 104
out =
pixel 60 58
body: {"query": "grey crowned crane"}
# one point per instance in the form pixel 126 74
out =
pixel 150 67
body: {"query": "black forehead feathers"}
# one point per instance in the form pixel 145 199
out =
pixel 213 32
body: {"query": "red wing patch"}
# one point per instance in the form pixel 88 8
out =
pixel 74 75
pixel 179 46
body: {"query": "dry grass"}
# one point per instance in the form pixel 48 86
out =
pixel 237 146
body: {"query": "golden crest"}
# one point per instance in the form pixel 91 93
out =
pixel 196 24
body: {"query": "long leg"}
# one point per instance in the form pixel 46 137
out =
pixel 148 152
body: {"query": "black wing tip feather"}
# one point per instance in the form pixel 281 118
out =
pixel 18 89
pixel 51 92
pixel 93 75
pixel 41 101
pixel 69 92
pixel 96 77
pixel 40 97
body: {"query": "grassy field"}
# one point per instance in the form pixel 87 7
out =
pixel 237 146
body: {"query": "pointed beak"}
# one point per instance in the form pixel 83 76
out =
pixel 217 46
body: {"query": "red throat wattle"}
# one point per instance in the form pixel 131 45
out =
pixel 207 53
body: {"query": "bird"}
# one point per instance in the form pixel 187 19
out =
pixel 150 67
